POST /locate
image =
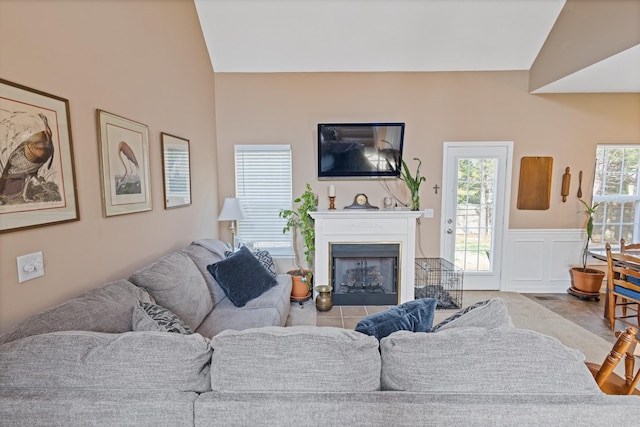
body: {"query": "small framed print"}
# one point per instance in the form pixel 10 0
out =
pixel 37 177
pixel 176 169
pixel 124 161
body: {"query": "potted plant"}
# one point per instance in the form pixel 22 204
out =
pixel 583 279
pixel 299 221
pixel 413 183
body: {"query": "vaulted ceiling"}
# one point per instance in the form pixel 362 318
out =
pixel 263 36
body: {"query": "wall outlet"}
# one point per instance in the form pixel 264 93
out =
pixel 428 213
pixel 30 266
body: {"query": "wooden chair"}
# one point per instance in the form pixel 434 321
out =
pixel 607 380
pixel 630 247
pixel 623 288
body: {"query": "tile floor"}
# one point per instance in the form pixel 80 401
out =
pixel 586 313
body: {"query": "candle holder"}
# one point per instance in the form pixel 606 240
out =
pixel 332 200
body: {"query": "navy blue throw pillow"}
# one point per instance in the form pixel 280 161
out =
pixel 415 316
pixel 242 277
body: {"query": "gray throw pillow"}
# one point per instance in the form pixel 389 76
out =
pixel 414 316
pixel 487 314
pixel 152 317
pixel 242 277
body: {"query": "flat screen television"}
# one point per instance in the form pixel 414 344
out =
pixel 360 150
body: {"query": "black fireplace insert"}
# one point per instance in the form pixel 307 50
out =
pixel 365 273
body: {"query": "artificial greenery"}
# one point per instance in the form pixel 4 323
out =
pixel 588 211
pixel 413 183
pixel 299 220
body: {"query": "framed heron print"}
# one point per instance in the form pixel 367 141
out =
pixel 37 178
pixel 124 161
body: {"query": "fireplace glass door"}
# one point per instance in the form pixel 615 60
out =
pixel 365 273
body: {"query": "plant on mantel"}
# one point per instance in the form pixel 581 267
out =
pixel 299 221
pixel 413 183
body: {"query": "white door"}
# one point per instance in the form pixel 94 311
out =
pixel 476 187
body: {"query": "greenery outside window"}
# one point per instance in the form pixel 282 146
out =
pixel 617 188
pixel 264 186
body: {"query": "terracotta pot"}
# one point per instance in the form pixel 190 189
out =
pixel 300 283
pixel 587 280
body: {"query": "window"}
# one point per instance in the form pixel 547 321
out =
pixel 616 188
pixel 263 185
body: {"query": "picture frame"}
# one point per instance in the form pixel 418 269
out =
pixel 176 171
pixel 37 175
pixel 124 165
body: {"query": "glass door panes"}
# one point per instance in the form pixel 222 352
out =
pixel 475 213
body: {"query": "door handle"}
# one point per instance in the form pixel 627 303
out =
pixel 449 231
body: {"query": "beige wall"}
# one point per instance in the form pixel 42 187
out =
pixel 436 107
pixel 144 60
pixel 583 36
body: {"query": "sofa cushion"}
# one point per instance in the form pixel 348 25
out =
pixel 175 282
pixel 93 360
pixel 626 291
pixel 415 316
pixel 202 257
pixel 242 277
pixel 479 360
pixel 491 313
pixel 298 358
pixel 105 309
pixel 152 317
pixel 215 246
pixel 269 309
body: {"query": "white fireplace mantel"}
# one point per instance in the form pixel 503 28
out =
pixel 367 226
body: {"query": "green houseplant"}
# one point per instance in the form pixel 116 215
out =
pixel 299 221
pixel 413 183
pixel 583 279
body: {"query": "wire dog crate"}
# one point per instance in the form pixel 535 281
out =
pixel 438 278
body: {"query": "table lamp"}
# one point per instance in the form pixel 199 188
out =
pixel 231 211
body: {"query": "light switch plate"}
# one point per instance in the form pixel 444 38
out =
pixel 30 266
pixel 428 213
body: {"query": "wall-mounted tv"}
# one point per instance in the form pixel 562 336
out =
pixel 360 150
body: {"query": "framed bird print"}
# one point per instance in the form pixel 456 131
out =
pixel 37 177
pixel 124 159
pixel 176 170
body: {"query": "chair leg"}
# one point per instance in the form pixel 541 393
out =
pixel 611 312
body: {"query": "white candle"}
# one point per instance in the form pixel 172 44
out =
pixel 332 190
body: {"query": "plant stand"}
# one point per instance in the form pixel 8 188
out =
pixel 583 295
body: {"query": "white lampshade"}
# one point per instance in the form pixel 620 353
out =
pixel 231 210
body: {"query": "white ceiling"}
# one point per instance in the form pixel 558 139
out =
pixel 392 35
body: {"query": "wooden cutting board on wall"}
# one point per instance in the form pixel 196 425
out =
pixel 534 190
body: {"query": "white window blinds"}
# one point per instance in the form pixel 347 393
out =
pixel 263 185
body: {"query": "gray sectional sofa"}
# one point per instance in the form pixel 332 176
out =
pixel 68 367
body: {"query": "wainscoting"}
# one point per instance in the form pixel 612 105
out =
pixel 538 261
